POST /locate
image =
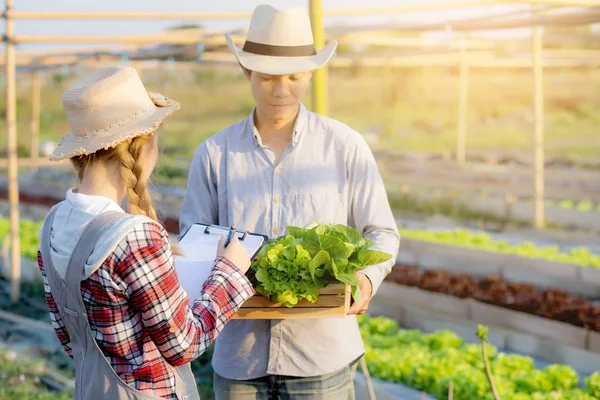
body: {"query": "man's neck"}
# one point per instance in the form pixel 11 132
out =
pixel 275 131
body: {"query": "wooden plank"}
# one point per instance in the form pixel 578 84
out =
pixel 28 162
pixel 543 328
pixel 582 287
pixel 333 288
pixel 582 360
pixel 591 276
pixel 11 149
pixel 35 119
pixel 431 321
pixel 327 300
pixel 240 15
pixel 334 301
pixel 319 76
pixel 127 15
pixel 594 342
pixel 538 112
pixel 291 313
pixel 411 295
pixel 463 88
pixel 139 39
pixel 481 262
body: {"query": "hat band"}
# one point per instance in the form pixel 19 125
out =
pixel 279 51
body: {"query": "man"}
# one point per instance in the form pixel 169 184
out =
pixel 287 166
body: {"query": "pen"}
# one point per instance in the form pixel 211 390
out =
pixel 230 235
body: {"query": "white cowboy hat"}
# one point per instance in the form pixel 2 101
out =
pixel 280 42
pixel 109 107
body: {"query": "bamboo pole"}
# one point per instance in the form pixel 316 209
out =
pixel 141 39
pixel 11 147
pixel 127 15
pixel 240 15
pixel 407 8
pixel 319 78
pixel 559 3
pixel 26 162
pixel 35 119
pixel 538 110
pixel 461 153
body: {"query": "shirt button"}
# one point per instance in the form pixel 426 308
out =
pixel 275 231
pixel 276 200
pixel 277 170
pixel 173 329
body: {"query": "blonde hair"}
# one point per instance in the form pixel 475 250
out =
pixel 130 156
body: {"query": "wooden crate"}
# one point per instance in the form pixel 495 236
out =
pixel 333 302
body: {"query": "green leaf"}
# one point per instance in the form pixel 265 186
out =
pixel 334 246
pixel 348 279
pixel 339 235
pixel 290 253
pixel 321 229
pixel 320 260
pixel 297 232
pixel 356 295
pixel 334 268
pixel 482 332
pixel 288 298
pixel 372 257
pixel 352 234
pixel 352 267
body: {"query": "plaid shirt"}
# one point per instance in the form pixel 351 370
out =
pixel 140 316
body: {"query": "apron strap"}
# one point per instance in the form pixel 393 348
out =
pixel 84 248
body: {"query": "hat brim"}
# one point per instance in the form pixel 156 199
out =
pixel 275 65
pixel 73 145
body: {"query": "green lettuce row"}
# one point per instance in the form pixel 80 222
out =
pixel 28 232
pixel 481 241
pixel 428 362
pixel 295 267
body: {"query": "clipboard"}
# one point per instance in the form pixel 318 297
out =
pixel 199 246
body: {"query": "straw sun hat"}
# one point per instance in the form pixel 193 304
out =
pixel 280 42
pixel 109 107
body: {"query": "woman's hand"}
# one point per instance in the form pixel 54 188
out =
pixel 235 252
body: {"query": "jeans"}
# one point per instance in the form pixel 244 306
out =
pixel 335 386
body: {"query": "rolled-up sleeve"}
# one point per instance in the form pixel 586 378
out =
pixel 370 210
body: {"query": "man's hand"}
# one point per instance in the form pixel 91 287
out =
pixel 366 289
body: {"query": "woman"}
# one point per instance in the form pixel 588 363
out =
pixel 111 287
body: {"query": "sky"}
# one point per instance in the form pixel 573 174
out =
pixel 117 27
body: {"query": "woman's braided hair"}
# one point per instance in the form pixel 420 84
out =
pixel 130 156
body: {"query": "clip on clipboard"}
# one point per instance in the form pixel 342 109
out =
pixel 199 246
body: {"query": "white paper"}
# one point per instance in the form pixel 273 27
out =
pixel 199 252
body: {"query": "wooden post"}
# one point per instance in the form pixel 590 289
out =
pixel 461 153
pixel 35 119
pixel 538 110
pixel 11 148
pixel 319 78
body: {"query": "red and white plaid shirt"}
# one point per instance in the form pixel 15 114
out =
pixel 141 316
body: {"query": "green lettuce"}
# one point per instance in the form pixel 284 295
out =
pixel 295 267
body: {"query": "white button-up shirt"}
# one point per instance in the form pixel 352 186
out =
pixel 329 174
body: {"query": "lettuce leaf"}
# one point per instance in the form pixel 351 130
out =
pixel 296 266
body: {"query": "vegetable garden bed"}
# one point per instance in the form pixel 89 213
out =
pixel 556 341
pixel 429 362
pixel 550 304
pixel 462 251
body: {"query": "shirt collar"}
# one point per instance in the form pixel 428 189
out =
pixel 299 126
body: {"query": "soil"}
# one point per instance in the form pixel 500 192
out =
pixel 553 304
